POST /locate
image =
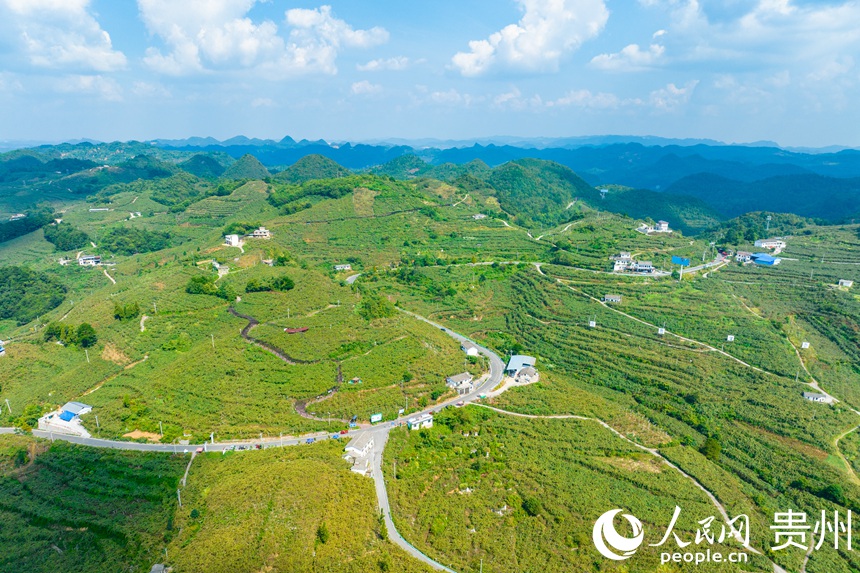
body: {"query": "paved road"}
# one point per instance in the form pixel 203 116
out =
pixel 352 278
pixel 7 430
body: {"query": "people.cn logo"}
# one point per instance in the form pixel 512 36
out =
pixel 612 545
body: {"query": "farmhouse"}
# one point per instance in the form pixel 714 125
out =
pixel 343 267
pixel 469 348
pixel 527 375
pixel 232 240
pixel 846 283
pixel 816 397
pixel 17 217
pixel 517 363
pixel 261 233
pixel 66 420
pixel 643 267
pixel 479 216
pixel 662 227
pixel 775 243
pixel 614 298
pixel 418 422
pixel 462 383
pixel 623 256
pixel 89 260
pixel 743 256
pixel 765 259
pixel 360 446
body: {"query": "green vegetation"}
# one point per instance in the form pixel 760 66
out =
pixel 26 294
pixel 246 167
pixel 206 285
pixel 134 240
pixel 66 237
pixel 82 509
pixel 282 284
pixel 127 311
pixel 20 227
pixel 312 167
pixel 83 335
pixel 291 509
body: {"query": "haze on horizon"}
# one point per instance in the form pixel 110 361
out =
pixel 730 70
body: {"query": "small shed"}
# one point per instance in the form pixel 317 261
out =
pixel 846 283
pixel 613 298
pixel 469 348
pixel 816 397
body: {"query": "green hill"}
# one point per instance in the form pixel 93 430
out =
pixel 246 167
pixel 204 166
pixel 312 167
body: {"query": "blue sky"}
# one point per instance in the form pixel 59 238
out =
pixel 733 70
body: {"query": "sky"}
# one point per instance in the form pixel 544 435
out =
pixel 731 70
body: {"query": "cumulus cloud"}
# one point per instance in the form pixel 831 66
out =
pixel 395 64
pixel 672 97
pixel 364 87
pixel 588 100
pixel 207 35
pixel 630 58
pixel 548 30
pixel 59 34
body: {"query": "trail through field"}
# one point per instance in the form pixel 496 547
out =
pixel 112 376
pixel 108 276
pixel 466 196
pixel 654 452
pixel 142 320
pixel 252 322
pixel 93 244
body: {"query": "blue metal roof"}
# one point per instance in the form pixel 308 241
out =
pixel 519 361
pixel 764 259
pixel 66 416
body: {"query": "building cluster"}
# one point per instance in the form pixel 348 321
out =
pixel 763 259
pixel 462 383
pixel 777 244
pixel 623 262
pixel 66 420
pixel 660 227
pixel 236 240
pixel 522 369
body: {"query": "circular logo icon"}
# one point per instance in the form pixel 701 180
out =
pixel 612 545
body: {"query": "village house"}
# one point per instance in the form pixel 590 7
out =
pixel 642 267
pixel 765 259
pixel 232 240
pixel 816 397
pixel 343 268
pixel 517 363
pixel 775 243
pixel 613 298
pixel 462 383
pixel 89 260
pixel 261 233
pixel 469 348
pixel 743 256
pixel 527 375
pixel 479 216
pixel 419 422
pixel 662 227
pixel 360 446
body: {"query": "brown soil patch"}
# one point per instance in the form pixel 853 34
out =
pixel 113 354
pixel 159 286
pixel 649 465
pixel 138 434
pixel 797 445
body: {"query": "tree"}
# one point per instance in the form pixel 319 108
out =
pixel 283 283
pixel 322 533
pixel 711 449
pixel 532 506
pixel 86 335
pixel 126 311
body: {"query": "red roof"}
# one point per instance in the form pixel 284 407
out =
pixel 296 330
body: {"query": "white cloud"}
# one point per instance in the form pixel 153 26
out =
pixel 59 34
pixel 672 97
pixel 630 58
pixel 106 88
pixel 395 64
pixel 263 102
pixel 206 35
pixel 364 87
pixel 548 30
pixel 149 89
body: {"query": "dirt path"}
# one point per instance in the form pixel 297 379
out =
pixel 108 276
pixel 142 320
pixel 252 322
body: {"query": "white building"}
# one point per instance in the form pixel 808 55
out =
pixel 66 420
pixel 469 348
pixel 517 363
pixel 527 375
pixel 360 445
pixel 343 267
pixel 643 267
pixel 418 422
pixel 614 298
pixel 89 260
pixel 17 217
pixel 261 233
pixel 743 256
pixel 232 240
pixel 479 216
pixel 775 243
pixel 846 283
pixel 662 227
pixel 816 397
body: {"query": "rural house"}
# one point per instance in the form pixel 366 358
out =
pixel 418 422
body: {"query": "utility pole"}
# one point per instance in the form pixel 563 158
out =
pixel 161 429
pixel 212 437
pixel 767 227
pixel 154 308
pixel 88 355
pixel 8 407
pixel 97 423
pixel 213 340
pixel 179 497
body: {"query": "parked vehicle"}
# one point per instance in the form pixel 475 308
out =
pixel 342 432
pixel 310 441
pixel 257 446
pixel 335 436
pixel 199 450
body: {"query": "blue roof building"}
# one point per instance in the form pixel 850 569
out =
pixel 765 259
pixel 66 416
